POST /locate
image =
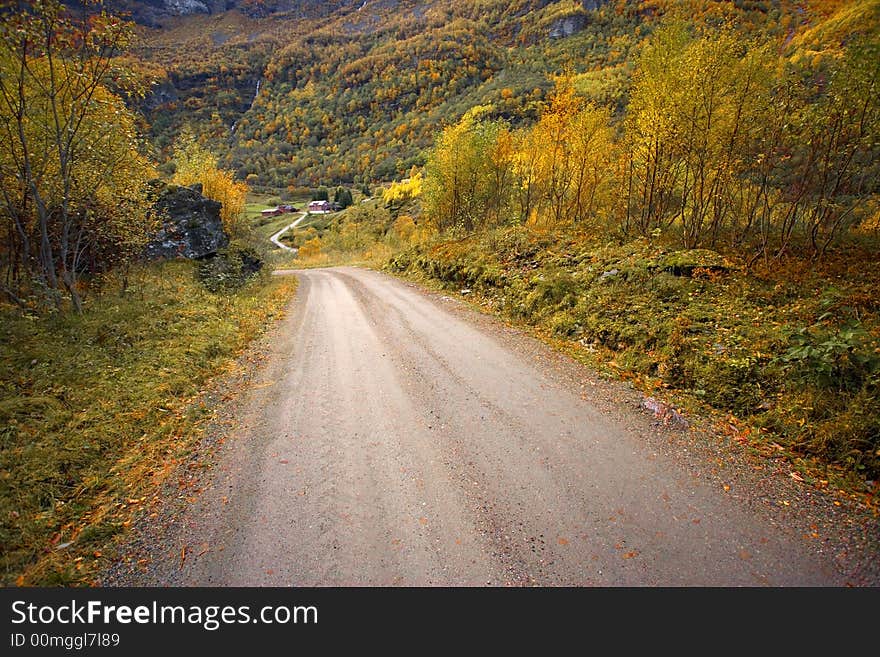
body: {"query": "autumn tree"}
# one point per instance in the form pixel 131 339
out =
pixel 837 167
pixel 196 164
pixel 564 160
pixel 73 180
pixel 401 192
pixel 651 130
pixel 726 144
pixel 468 179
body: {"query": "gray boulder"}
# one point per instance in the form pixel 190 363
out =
pixel 568 25
pixel 191 225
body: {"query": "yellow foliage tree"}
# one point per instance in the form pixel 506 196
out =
pixel 469 173
pixel 404 190
pixel 311 249
pixel 72 179
pixel 404 228
pixel 196 164
pixel 563 163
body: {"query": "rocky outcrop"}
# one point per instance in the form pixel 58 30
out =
pixel 593 5
pixel 161 94
pixel 568 25
pixel 574 23
pixel 685 263
pixel 154 13
pixel 191 225
pixel 186 7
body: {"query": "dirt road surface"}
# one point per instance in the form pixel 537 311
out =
pixel 395 437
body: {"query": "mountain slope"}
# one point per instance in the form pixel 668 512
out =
pixel 290 94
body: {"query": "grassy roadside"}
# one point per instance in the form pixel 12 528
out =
pixel 786 361
pixel 96 410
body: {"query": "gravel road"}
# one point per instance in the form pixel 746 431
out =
pixel 395 437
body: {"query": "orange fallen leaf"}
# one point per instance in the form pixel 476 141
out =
pixel 423 521
pixel 630 555
pixel 562 541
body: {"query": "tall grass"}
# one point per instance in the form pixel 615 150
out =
pixel 96 410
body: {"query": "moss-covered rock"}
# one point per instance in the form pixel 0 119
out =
pixel 685 263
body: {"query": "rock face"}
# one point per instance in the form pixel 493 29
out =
pixel 593 5
pixel 574 23
pixel 191 225
pixel 186 7
pixel 155 13
pixel 565 27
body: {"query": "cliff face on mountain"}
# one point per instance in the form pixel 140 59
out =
pixel 158 13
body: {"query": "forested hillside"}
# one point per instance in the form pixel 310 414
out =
pixel 289 97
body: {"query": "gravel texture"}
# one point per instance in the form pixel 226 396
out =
pixel 391 436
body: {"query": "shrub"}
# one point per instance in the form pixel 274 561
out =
pixel 232 267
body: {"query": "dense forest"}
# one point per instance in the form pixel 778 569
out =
pixel 293 101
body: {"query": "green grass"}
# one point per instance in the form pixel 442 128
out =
pixel 787 360
pixel 96 410
pixel 313 225
pixel 267 226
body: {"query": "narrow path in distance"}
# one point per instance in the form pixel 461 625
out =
pixel 276 238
